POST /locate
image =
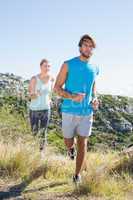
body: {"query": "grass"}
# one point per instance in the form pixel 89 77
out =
pixel 103 177
pixel 108 175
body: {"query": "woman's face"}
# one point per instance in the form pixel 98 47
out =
pixel 45 67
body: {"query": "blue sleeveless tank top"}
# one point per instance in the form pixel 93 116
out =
pixel 80 79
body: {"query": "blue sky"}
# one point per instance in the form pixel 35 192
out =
pixel 32 30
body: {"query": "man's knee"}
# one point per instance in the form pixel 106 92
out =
pixel 82 143
pixel 69 142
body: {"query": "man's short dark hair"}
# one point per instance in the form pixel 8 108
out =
pixel 43 61
pixel 85 38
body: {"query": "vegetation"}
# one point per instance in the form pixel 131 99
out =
pixel 107 173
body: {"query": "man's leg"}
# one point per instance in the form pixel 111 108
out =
pixel 68 127
pixel 83 130
pixel 69 142
pixel 82 148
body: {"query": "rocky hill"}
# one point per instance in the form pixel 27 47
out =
pixel 11 84
pixel 114 117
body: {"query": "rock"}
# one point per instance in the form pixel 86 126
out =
pixel 123 125
pixel 129 108
pixel 128 151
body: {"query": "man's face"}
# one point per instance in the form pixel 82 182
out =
pixel 45 67
pixel 86 49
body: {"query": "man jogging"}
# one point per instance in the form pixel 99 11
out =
pixel 79 100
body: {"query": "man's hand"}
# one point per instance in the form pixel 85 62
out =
pixel 95 104
pixel 78 97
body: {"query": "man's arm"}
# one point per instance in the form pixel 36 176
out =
pixel 61 78
pixel 94 91
pixel 95 101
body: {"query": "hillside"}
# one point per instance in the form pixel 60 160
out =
pixel 113 122
pixel 25 174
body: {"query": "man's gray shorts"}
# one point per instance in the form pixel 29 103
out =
pixel 75 124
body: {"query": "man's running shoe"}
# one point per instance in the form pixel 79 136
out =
pixel 72 153
pixel 77 179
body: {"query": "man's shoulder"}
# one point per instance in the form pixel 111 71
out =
pixel 71 60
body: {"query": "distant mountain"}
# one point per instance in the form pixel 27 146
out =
pixel 115 114
pixel 11 84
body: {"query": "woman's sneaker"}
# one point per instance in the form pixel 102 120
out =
pixel 43 144
pixel 72 153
